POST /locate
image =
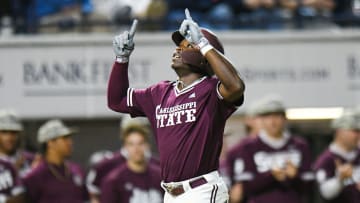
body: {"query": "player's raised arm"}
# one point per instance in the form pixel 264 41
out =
pixel 123 45
pixel 232 87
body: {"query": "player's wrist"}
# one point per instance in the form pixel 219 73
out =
pixel 122 59
pixel 204 46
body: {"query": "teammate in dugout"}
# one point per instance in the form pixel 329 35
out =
pixel 338 167
pixel 56 179
pixel 188 115
pixel 273 166
pixel 138 179
pixel 10 135
pixel 99 171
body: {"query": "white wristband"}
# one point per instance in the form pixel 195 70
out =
pixel 122 59
pixel 205 49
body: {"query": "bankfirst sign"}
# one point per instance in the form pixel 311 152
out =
pixel 66 76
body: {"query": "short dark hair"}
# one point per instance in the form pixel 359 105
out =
pixel 135 128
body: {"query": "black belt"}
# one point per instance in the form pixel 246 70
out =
pixel 177 190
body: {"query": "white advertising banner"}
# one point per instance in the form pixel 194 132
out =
pixel 66 76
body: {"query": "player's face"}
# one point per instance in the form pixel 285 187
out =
pixel 253 123
pixel 63 146
pixel 136 146
pixel 273 124
pixel 177 62
pixel 350 138
pixel 9 141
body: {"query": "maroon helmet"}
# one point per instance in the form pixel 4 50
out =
pixel 193 57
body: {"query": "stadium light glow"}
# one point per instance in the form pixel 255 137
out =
pixel 313 113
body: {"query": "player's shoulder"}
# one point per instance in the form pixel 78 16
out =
pixel 154 167
pixel 111 162
pixel 75 167
pixel 37 172
pixel 325 158
pixel 299 141
pixel 28 155
pixel 5 163
pixel 116 174
pixel 245 144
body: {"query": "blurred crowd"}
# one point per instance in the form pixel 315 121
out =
pixel 34 16
pixel 270 164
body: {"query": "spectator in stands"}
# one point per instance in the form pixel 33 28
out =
pixel 136 180
pixel 212 14
pixel 338 167
pixel 99 171
pixel 56 179
pixel 257 14
pixel 342 13
pixel 10 138
pixel 21 13
pixel 64 14
pixel 274 166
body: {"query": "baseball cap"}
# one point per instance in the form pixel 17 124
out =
pixel 128 121
pixel 348 121
pixel 53 129
pixel 267 105
pixel 210 36
pixel 9 121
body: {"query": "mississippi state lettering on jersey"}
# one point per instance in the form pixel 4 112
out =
pixel 126 186
pixel 188 125
pixel 253 160
pixel 10 184
pixel 325 169
pixel 51 183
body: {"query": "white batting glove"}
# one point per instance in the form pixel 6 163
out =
pixel 190 30
pixel 123 44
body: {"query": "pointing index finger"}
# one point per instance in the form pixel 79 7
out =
pixel 133 28
pixel 187 14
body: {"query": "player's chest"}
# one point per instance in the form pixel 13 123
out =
pixel 6 179
pixel 176 109
pixel 266 160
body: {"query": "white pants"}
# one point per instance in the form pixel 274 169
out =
pixel 214 191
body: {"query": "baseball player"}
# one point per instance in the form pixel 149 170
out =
pixel 137 180
pixel 11 188
pixel 188 115
pixel 55 179
pixel 338 167
pixel 273 166
pixel 252 122
pixel 99 171
pixel 10 130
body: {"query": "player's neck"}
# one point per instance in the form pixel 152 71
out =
pixel 343 146
pixel 137 167
pixel 186 80
pixel 54 158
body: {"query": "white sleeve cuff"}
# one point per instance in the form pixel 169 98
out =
pixel 205 49
pixel 122 59
pixel 331 188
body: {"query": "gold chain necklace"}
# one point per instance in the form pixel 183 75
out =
pixel 58 175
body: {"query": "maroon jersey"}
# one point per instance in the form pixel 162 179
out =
pixel 253 160
pixel 51 183
pixel 325 169
pixel 10 183
pixel 188 123
pixel 125 186
pixel 26 159
pixel 99 171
